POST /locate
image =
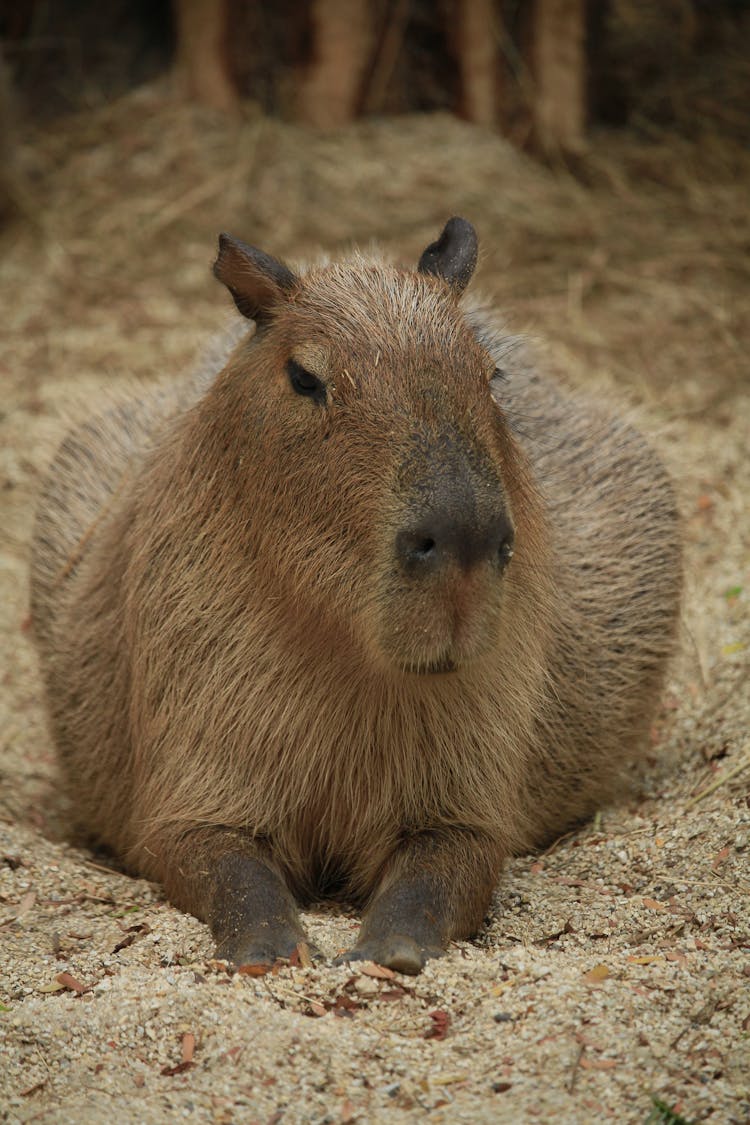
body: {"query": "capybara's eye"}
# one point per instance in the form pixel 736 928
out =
pixel 304 382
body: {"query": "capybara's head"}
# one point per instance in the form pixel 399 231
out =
pixel 377 476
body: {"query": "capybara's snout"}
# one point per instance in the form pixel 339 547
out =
pixel 451 546
pixel 451 536
pixel 455 518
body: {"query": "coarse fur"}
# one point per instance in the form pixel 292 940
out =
pixel 228 644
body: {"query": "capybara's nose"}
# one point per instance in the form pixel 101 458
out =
pixel 442 538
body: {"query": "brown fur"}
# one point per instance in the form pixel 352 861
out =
pixel 225 641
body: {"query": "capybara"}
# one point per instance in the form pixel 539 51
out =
pixel 356 613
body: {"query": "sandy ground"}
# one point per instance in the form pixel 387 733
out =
pixel 615 968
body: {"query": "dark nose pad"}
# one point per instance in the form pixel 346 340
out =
pixel 439 540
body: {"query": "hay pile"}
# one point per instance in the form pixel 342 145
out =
pixel 614 968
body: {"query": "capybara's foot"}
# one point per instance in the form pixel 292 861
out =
pixel 265 943
pixel 253 915
pixel 435 889
pixel 394 951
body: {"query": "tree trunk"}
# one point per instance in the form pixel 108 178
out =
pixel 202 65
pixel 342 40
pixel 558 66
pixel 478 61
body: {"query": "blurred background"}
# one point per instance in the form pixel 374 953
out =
pixel 599 146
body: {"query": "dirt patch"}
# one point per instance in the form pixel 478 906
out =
pixel 615 967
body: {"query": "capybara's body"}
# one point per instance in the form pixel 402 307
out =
pixel 359 614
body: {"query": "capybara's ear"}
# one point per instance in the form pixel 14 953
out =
pixel 454 255
pixel 257 281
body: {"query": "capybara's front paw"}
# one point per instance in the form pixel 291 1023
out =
pixel 394 951
pixel 265 944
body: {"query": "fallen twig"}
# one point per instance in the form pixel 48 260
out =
pixel 575 1068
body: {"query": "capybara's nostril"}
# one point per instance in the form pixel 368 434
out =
pixel 416 550
pixel 442 539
